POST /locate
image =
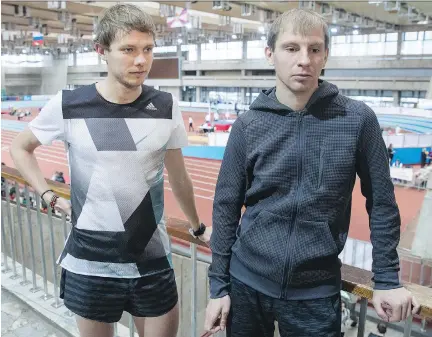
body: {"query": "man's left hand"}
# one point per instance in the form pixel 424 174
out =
pixel 206 236
pixel 395 305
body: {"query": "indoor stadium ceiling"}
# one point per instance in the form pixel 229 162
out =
pixel 216 20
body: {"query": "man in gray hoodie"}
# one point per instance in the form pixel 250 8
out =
pixel 292 161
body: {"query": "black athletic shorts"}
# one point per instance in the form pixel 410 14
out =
pixel 104 299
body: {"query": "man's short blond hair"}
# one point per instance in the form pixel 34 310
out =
pixel 300 21
pixel 122 19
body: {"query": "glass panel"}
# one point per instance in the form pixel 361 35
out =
pixel 374 37
pixel 165 49
pixel 376 48
pixel 410 36
pixel 358 38
pixel 87 59
pixel 411 48
pixel 428 35
pixel 359 49
pixel 420 36
pixel 339 39
pixel 390 48
pixel 427 47
pixel 391 36
pixel 255 49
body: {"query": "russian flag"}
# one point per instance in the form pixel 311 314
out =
pixel 38 39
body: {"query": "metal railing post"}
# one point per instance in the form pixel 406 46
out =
pixel 131 326
pixel 57 303
pixel 362 317
pixel 6 268
pixel 12 233
pixel 408 326
pixel 21 233
pixel 65 235
pixel 193 248
pixel 46 295
pixel 30 230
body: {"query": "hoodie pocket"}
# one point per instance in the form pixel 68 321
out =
pixel 261 245
pixel 314 253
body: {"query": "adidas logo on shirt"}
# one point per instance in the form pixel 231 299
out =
pixel 151 107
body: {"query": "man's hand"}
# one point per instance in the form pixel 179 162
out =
pixel 217 314
pixel 206 236
pixel 394 305
pixel 62 205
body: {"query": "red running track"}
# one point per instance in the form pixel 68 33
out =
pixel 204 175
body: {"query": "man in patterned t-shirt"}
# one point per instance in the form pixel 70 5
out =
pixel 118 134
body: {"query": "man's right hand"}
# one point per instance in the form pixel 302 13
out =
pixel 62 205
pixel 217 314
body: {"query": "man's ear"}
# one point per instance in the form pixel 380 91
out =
pixel 101 51
pixel 269 55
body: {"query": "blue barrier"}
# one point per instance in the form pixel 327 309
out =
pixel 204 152
pixel 409 155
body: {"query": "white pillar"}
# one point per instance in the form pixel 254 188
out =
pixel 198 94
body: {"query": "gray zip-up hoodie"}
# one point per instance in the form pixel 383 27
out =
pixel 294 172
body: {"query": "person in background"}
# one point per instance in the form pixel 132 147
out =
pixel 191 128
pixel 60 178
pixel 397 163
pixel 423 157
pixel 54 176
pixel 391 153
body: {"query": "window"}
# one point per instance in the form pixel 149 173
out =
pixel 222 51
pixel 375 37
pixel 192 50
pixel 255 49
pixel 410 36
pixel 361 45
pixel 87 59
pixel 165 49
pixel 358 38
pixel 391 36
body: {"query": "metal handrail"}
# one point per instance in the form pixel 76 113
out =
pixel 354 280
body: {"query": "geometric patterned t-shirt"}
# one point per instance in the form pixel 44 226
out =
pixel 116 159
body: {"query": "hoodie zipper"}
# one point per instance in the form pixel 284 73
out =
pixel 288 257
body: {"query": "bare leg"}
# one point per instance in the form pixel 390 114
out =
pixel 162 326
pixel 89 328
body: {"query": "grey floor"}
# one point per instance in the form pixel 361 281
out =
pixel 18 320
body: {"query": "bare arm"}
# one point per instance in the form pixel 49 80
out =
pixel 22 152
pixel 181 185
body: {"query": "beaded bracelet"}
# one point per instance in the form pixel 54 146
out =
pixel 53 201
